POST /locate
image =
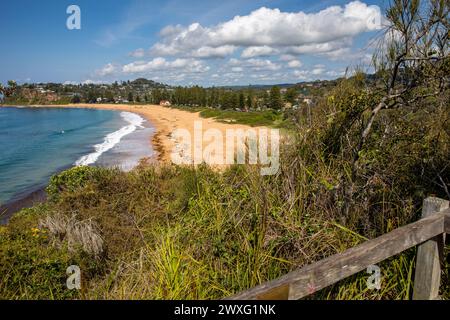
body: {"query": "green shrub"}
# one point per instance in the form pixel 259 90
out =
pixel 30 268
pixel 70 180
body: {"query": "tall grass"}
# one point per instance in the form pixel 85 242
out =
pixel 189 233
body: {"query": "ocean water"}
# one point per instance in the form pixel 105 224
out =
pixel 36 143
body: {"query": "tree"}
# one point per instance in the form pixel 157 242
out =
pixel 265 99
pixel 275 101
pixel 235 99
pixel 241 100
pixel 250 100
pixel 291 95
pixel 376 125
pixel 91 97
pixel 413 59
pixel 109 95
pixel 76 99
pixel 156 96
pixel 9 90
pixel 130 97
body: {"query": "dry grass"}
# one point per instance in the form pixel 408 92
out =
pixel 77 234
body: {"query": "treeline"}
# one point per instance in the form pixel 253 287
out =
pixel 226 99
pixel 139 92
pixel 197 96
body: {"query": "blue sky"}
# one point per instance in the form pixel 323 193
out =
pixel 187 42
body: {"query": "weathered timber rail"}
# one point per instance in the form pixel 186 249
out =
pixel 427 233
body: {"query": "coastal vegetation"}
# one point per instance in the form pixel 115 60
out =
pixel 356 165
pixel 268 118
pixel 6 92
pixel 261 118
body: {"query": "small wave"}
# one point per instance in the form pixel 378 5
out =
pixel 135 121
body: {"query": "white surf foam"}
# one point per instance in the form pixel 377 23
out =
pixel 135 121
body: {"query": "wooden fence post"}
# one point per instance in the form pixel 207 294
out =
pixel 429 257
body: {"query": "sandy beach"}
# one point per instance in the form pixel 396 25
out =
pixel 164 119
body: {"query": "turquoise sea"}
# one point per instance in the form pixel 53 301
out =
pixel 38 142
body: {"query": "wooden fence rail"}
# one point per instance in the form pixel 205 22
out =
pixel 428 233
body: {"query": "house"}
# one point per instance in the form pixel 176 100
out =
pixel 165 103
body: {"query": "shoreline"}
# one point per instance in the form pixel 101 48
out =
pixel 34 195
pixel 164 120
pixel 156 140
pixel 25 200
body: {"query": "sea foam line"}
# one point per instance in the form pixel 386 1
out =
pixel 135 121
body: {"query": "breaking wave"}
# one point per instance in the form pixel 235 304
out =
pixel 135 121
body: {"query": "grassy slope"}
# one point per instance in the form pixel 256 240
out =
pixel 177 233
pixel 253 118
pixel 269 118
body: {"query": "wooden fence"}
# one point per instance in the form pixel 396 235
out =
pixel 428 234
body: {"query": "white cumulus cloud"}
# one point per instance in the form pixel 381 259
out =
pixel 266 44
pixel 294 64
pixel 260 51
pixel 211 52
pixel 160 63
pixel 264 30
pixel 107 70
pixel 255 64
pixel 138 53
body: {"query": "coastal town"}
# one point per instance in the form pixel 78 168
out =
pixel 142 91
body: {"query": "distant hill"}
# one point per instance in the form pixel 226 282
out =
pixel 371 78
pixel 142 82
pixel 257 86
pixel 280 85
